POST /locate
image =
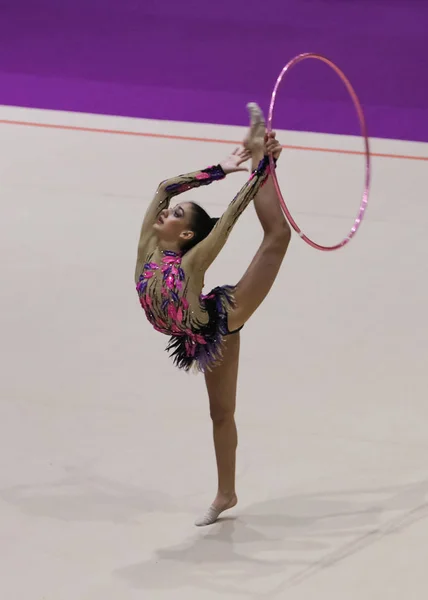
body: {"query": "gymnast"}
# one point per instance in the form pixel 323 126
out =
pixel 176 247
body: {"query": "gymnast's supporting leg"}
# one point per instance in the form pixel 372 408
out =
pixel 221 385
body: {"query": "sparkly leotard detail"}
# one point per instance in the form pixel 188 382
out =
pixel 173 307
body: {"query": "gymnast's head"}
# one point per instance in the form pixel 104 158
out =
pixel 183 226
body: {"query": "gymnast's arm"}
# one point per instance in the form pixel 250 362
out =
pixel 203 254
pixel 162 198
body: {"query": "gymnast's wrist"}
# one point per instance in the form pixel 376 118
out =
pixel 215 172
pixel 220 169
pixel 267 158
pixel 264 164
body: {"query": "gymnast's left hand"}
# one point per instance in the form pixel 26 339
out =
pixel 232 164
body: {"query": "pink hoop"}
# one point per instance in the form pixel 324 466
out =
pixel 363 126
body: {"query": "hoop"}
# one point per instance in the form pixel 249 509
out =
pixel 364 134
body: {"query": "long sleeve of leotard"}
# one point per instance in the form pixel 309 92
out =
pixel 175 186
pixel 204 253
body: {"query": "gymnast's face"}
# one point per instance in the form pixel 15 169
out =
pixel 173 224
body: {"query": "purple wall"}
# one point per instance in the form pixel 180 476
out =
pixel 202 61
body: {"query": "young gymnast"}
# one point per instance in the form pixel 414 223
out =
pixel 176 247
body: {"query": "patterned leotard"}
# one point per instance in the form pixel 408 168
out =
pixel 169 284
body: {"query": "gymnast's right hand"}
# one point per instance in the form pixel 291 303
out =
pixel 272 146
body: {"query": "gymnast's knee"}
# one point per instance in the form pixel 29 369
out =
pixel 221 414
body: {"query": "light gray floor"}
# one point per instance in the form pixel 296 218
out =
pixel 106 448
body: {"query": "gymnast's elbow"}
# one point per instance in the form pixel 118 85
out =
pixel 161 189
pixel 282 233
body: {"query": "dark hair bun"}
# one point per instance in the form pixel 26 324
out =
pixel 201 224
